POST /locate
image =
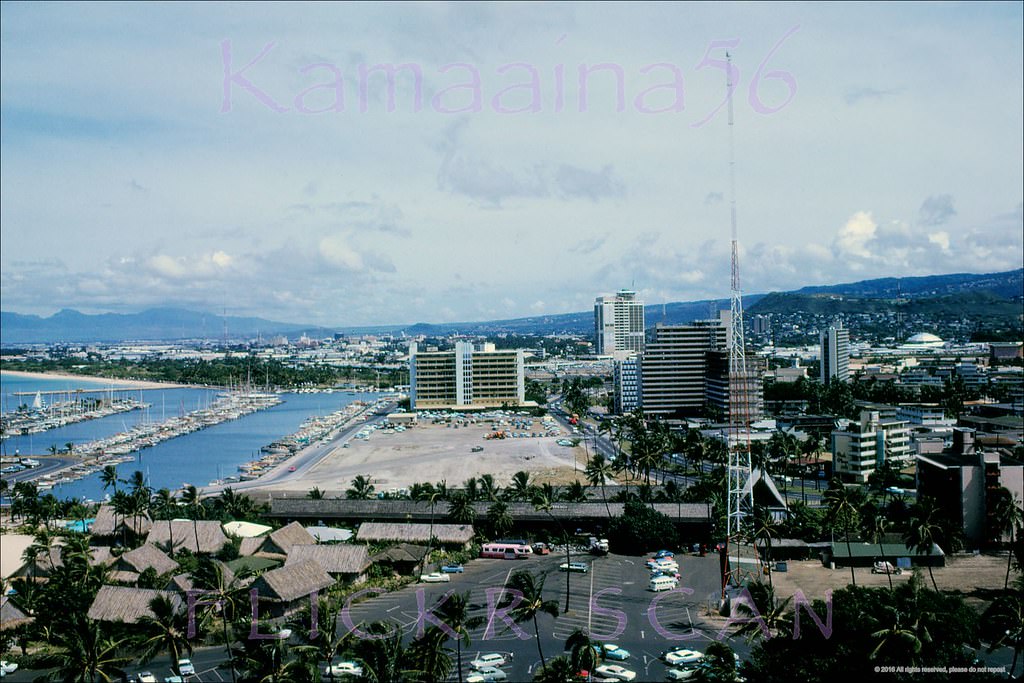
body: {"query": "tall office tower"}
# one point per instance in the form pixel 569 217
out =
pixel 835 354
pixel 468 376
pixel 619 324
pixel 673 373
pixel 747 386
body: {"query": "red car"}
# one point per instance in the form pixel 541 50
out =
pixel 292 468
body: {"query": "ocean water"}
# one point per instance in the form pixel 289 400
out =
pixel 197 458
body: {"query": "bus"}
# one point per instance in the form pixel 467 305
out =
pixel 506 550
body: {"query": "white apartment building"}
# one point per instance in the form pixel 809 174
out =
pixel 835 354
pixel 864 446
pixel 466 377
pixel 618 325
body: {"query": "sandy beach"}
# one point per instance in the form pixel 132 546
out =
pixel 120 383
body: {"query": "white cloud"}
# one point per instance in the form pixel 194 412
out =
pixel 854 237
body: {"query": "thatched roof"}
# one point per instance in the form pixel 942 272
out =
pixel 282 540
pixel 123 576
pixel 405 552
pixel 418 511
pixel 373 532
pixel 101 554
pixel 145 557
pixel 105 520
pixel 211 536
pixel 335 559
pixel 292 582
pixel 250 546
pixel 10 615
pixel 117 603
pixel 183 582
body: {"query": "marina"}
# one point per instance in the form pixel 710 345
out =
pixel 42 416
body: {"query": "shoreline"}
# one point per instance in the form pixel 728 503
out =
pixel 122 383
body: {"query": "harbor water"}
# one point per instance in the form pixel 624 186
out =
pixel 197 458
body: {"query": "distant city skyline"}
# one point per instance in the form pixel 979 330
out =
pixel 172 155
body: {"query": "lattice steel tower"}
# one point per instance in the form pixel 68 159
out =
pixel 741 490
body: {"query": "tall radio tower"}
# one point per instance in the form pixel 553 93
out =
pixel 741 490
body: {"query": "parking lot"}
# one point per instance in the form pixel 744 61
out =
pixel 611 601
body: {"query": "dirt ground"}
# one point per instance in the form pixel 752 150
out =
pixel 429 452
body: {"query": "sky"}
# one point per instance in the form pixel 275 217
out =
pixel 250 158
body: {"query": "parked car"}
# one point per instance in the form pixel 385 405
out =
pixel 7 668
pixel 681 674
pixel 615 671
pixel 453 569
pixel 581 567
pixel 435 577
pixel 676 657
pixel 487 674
pixel 344 669
pixel 173 679
pixel 663 553
pixel 186 668
pixel 491 660
pixel 147 677
pixel 611 651
pixel 885 568
pixel 540 548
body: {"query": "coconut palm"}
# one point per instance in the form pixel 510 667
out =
pixel 431 495
pixel 1009 517
pixel 381 655
pixel 460 509
pixel 522 488
pixel 315 493
pixel 225 592
pixel 427 659
pixel 878 526
pixel 500 520
pixel 489 490
pixel 166 630
pixel 108 477
pixel 165 504
pixel 530 589
pixel 598 472
pixel 455 614
pixel 899 638
pixel 575 493
pixel 843 515
pixel 543 501
pixel 190 499
pixel 924 530
pixel 1003 622
pixel 775 614
pixel 472 488
pixel 764 527
pixel 558 670
pixel 582 651
pixel 89 654
pixel 361 489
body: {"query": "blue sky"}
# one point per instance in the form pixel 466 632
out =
pixel 143 164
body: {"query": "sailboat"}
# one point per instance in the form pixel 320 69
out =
pixel 37 402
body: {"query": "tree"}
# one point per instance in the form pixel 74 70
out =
pixel 558 670
pixel 166 630
pixel 1003 622
pixel 226 593
pixel 190 498
pixel 522 489
pixel 843 504
pixel 488 489
pixel 764 527
pixel 361 489
pixel 543 501
pixel 575 493
pixel 455 614
pixel 427 659
pixel 924 531
pixel 719 664
pixel 89 654
pixel 499 519
pixel 598 472
pixel 640 529
pixel 1009 517
pixel 164 506
pixel 532 604
pixel 582 651
pixel 460 509
pixel 315 493
pixel 431 495
pixel 382 656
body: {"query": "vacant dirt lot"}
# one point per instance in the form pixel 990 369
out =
pixel 435 452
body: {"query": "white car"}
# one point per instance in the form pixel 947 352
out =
pixel 488 674
pixel 676 657
pixel 493 659
pixel 186 668
pixel 147 677
pixel 681 674
pixel 7 668
pixel 435 577
pixel 344 669
pixel 615 671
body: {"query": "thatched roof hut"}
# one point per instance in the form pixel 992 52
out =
pixel 211 535
pixel 292 583
pixel 348 561
pixel 446 534
pixel 128 605
pixel 108 524
pixel 145 557
pixel 284 539
pixel 11 616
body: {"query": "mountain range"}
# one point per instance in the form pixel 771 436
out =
pixel 1005 290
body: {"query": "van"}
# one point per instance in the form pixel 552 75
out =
pixel 663 583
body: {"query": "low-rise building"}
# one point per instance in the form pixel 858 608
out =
pixel 861 448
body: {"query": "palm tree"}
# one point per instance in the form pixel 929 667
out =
pixel 719 662
pixel 361 489
pixel 582 651
pixel 108 477
pixel 898 638
pixel 455 614
pixel 472 488
pixel 764 528
pixel 774 614
pixel 923 531
pixel 226 593
pixel 234 505
pixel 166 630
pixel 1003 622
pixel 381 655
pixel 575 493
pixel 431 495
pixel 89 654
pixel 122 504
pixel 843 514
pixel 532 603
pixel 489 490
pixel 500 520
pixel 1008 517
pixel 427 659
pixel 877 530
pixel 559 670
pixel 522 489
pixel 165 505
pixel 315 493
pixel 598 472
pixel 460 509
pixel 543 502
pixel 190 498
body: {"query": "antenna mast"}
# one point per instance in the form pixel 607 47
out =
pixel 740 488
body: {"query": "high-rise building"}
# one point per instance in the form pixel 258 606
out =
pixel 860 449
pixel 619 324
pixel 835 354
pixel 674 366
pixel 467 376
pixel 627 397
pixel 746 397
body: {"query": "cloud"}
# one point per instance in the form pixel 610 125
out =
pixel 857 94
pixel 136 186
pixel 572 181
pixel 936 210
pixel 208 265
pixel 337 251
pixel 855 235
pixel 713 198
pixel 588 245
pixel 940 238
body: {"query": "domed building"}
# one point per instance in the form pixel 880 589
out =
pixel 925 339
